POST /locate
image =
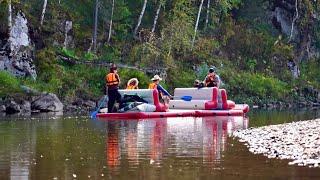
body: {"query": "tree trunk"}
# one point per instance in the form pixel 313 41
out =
pixel 156 17
pixel 140 17
pixel 197 22
pixel 9 16
pixel 43 11
pixel 110 27
pixel 294 20
pixel 95 29
pixel 208 12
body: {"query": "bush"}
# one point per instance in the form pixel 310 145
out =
pixel 9 84
pixel 126 74
pixel 254 88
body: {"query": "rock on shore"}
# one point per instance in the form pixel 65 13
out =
pixel 296 141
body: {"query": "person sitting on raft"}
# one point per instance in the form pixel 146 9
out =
pixel 112 82
pixel 132 83
pixel 155 85
pixel 212 79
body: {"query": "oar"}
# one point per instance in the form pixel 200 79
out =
pixel 185 98
pixel 94 113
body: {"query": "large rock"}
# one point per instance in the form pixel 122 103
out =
pixel 12 107
pixel 25 106
pixel 47 103
pixel 2 108
pixel 17 55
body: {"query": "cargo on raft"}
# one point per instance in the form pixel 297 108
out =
pixel 187 102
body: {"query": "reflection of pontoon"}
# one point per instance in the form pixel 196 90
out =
pixel 157 139
pixel 204 102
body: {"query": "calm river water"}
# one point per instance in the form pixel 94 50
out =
pixel 172 148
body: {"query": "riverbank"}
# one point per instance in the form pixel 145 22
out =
pixel 298 142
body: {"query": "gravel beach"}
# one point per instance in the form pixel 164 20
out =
pixel 296 141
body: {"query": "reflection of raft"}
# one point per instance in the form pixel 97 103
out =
pixel 205 102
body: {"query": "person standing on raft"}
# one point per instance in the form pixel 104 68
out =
pixel 133 83
pixel 112 82
pixel 212 79
pixel 155 85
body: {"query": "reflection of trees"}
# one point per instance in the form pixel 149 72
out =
pixel 17 147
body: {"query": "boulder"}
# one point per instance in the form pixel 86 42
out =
pixel 89 104
pixel 47 103
pixel 2 108
pixel 12 107
pixel 25 106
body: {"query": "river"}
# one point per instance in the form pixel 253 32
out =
pixel 76 147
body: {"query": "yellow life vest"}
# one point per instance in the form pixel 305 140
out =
pixel 131 87
pixel 152 86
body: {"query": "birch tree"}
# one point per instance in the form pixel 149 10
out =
pixel 157 15
pixel 110 26
pixel 197 22
pixel 140 17
pixel 95 28
pixel 208 12
pixel 9 15
pixel 43 11
pixel 296 16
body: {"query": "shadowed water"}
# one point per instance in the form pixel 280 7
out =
pixel 168 148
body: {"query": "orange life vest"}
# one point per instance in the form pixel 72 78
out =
pixel 152 86
pixel 111 79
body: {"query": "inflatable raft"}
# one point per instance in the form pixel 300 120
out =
pixel 204 102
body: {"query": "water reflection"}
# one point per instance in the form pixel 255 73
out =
pixel 173 148
pixel 156 139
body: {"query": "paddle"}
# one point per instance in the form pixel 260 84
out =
pixel 185 98
pixel 94 113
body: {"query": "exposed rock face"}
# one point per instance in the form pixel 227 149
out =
pixel 17 55
pixel 285 18
pixel 47 103
pixel 283 13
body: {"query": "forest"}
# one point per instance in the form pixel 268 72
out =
pixel 265 51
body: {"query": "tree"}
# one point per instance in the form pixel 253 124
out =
pixel 9 15
pixel 197 22
pixel 161 2
pixel 140 17
pixel 208 12
pixel 95 29
pixel 110 26
pixel 43 11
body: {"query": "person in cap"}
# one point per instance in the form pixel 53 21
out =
pixel 212 79
pixel 112 83
pixel 155 85
pixel 133 83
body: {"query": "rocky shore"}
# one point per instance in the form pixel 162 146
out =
pixel 298 142
pixel 43 103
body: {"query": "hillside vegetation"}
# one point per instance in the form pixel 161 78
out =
pixel 239 37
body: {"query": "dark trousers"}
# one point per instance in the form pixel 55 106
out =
pixel 114 96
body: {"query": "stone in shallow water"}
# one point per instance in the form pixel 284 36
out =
pixel 297 141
